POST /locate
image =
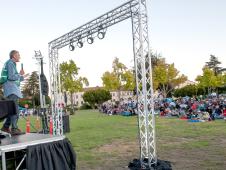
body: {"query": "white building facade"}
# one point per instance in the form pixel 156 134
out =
pixel 78 96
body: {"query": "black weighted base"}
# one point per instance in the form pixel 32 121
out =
pixel 161 165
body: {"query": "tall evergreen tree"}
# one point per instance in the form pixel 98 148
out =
pixel 31 87
pixel 214 64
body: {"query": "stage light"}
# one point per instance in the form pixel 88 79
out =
pixel 80 44
pixel 101 32
pixel 101 35
pixel 90 40
pixel 71 47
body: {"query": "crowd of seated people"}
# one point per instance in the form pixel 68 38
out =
pixel 116 108
pixel 210 108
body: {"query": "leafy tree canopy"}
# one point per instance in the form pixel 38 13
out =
pixel 121 78
pixel 96 97
pixel 166 77
pixel 209 80
pixel 70 80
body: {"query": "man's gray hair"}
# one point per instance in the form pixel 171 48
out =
pixel 12 53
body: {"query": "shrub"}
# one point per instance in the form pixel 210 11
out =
pixel 85 106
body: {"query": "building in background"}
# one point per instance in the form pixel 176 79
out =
pixel 186 83
pixel 78 96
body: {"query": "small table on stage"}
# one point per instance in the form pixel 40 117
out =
pixel 21 142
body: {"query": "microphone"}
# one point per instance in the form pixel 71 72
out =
pixel 22 67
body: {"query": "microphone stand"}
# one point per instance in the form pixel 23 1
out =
pixel 43 110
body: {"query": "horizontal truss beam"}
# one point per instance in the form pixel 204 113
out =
pixel 106 20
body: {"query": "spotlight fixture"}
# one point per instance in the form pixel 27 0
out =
pixel 80 44
pixel 90 40
pixel 101 34
pixel 71 46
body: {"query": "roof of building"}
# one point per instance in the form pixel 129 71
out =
pixel 91 88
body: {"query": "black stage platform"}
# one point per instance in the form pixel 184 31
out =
pixel 22 142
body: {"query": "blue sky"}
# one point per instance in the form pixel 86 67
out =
pixel 185 32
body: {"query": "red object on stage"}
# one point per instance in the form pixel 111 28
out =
pixel 51 126
pixel 28 125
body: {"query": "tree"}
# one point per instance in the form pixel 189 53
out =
pixel 189 90
pixel 121 78
pixel 209 80
pixel 222 88
pixel 155 59
pixel 213 64
pixel 110 81
pixel 129 79
pixel 70 80
pixel 119 70
pixel 28 102
pixel 166 77
pixel 96 97
pixel 1 91
pixel 224 79
pixel 31 87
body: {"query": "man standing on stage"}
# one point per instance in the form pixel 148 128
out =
pixel 11 90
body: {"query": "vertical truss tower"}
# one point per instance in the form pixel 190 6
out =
pixel 137 11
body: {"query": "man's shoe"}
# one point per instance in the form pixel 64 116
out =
pixel 16 131
pixel 7 130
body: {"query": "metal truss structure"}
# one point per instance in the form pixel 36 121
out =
pixel 137 11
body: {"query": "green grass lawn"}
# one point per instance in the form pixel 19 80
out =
pixel 110 142
pixel 90 129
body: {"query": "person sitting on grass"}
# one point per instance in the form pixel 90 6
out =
pixel 224 112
